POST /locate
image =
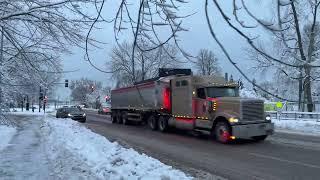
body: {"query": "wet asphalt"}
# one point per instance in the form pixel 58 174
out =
pixel 280 157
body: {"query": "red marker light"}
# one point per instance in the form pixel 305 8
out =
pixel 166 99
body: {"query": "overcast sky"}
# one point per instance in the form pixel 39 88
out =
pixel 192 41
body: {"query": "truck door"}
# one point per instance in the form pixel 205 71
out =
pixel 181 97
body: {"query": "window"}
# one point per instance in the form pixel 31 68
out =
pixel 184 83
pixel 201 93
pixel 178 83
pixel 222 92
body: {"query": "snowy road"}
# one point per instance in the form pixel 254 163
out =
pixel 282 156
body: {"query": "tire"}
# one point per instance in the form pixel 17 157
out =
pixel 57 116
pixel 83 121
pixel 152 122
pixel 125 118
pixel 114 118
pixel 260 138
pixel 222 132
pixel 119 118
pixel 163 123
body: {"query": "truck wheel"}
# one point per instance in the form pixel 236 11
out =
pixel 259 138
pixel 125 118
pixel 119 118
pixel 152 122
pixel 114 118
pixel 222 132
pixel 163 123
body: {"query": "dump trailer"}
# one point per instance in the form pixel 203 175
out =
pixel 178 99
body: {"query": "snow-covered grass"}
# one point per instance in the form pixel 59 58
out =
pixel 108 160
pixel 6 134
pixel 18 111
pixel 307 127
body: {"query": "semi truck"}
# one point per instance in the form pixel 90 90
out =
pixel 203 104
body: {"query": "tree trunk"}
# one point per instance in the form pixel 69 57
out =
pixel 307 91
pixel 142 68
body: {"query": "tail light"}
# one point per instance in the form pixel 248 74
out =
pixel 167 99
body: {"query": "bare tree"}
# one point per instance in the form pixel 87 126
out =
pixel 287 28
pixel 86 91
pixel 285 24
pixel 207 63
pixel 147 63
pixel 34 34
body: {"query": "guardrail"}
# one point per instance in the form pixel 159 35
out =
pixel 295 115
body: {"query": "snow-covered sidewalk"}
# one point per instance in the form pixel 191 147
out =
pixel 6 134
pixel 305 127
pixel 48 148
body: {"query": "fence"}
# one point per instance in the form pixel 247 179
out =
pixel 289 106
pixel 295 115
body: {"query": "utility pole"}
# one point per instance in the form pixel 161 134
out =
pixel 44 100
pixel 300 91
pixel 40 94
pixel 1 68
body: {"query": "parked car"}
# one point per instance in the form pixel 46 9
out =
pixel 105 108
pixel 73 113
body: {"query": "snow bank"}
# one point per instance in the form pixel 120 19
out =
pixel 108 160
pixel 306 127
pixel 6 134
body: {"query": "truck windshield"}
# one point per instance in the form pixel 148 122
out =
pixel 222 92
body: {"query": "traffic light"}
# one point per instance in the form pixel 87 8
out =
pixel 107 98
pixel 66 83
pixel 40 94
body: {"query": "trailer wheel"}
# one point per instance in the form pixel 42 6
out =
pixel 125 118
pixel 163 123
pixel 222 132
pixel 119 117
pixel 152 122
pixel 113 117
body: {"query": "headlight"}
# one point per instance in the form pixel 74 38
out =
pixel 233 120
pixel 69 115
pixel 84 114
pixel 268 117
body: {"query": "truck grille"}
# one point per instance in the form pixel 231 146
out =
pixel 252 110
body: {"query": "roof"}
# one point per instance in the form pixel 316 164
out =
pixel 212 81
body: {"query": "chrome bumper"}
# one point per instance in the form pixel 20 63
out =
pixel 248 131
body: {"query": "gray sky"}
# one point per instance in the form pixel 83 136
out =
pixel 192 41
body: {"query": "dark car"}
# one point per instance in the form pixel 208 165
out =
pixel 74 113
pixel 105 108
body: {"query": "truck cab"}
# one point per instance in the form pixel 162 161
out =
pixel 211 104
